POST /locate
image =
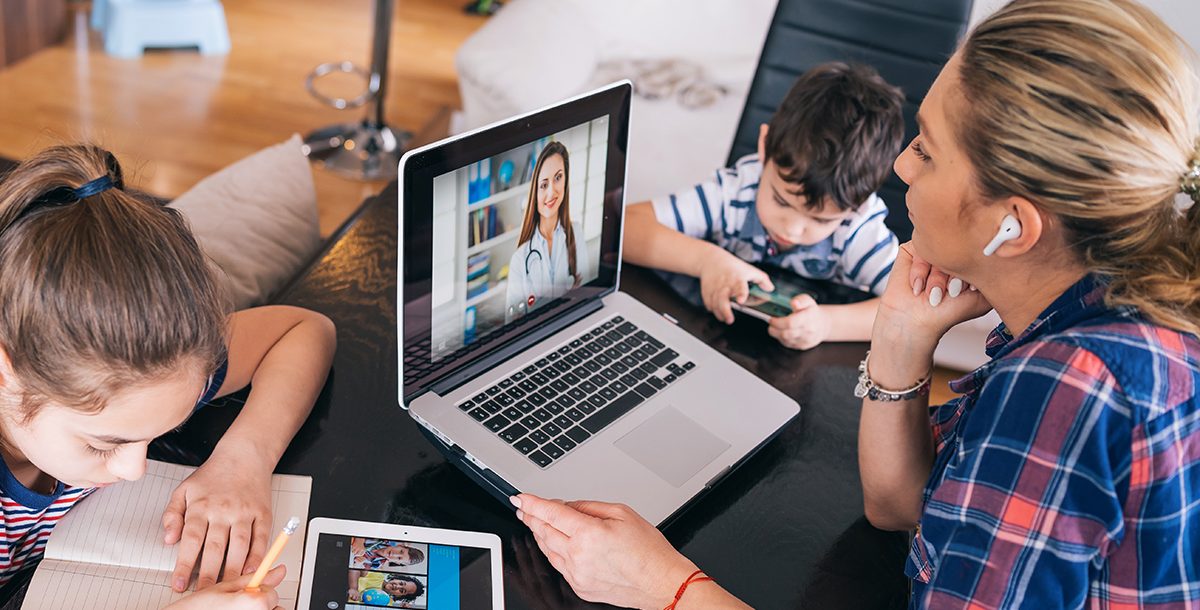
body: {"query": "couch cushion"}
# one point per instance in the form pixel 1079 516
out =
pixel 257 220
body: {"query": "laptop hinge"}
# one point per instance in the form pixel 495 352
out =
pixel 535 334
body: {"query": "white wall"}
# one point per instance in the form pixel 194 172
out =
pixel 1183 15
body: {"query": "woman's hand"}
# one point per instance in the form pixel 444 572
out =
pixel 723 277
pixel 807 327
pixel 540 584
pixel 224 510
pixel 232 595
pixel 924 300
pixel 607 552
pixel 919 305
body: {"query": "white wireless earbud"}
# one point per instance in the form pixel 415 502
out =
pixel 1010 229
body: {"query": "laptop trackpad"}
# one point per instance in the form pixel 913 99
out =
pixel 672 446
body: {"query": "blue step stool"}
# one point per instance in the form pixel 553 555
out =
pixel 132 26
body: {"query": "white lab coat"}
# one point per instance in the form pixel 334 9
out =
pixel 543 272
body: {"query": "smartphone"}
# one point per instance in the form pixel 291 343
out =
pixel 765 305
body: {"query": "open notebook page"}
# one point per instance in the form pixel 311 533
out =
pixel 108 551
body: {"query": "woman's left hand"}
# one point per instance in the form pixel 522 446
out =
pixel 224 510
pixel 607 552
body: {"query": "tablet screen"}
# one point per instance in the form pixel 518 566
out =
pixel 358 573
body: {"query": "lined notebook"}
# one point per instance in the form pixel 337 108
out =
pixel 108 551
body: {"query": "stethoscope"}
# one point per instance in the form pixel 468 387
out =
pixel 531 252
pixel 531 299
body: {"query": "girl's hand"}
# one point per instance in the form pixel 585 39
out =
pixel 232 595
pixel 224 510
pixel 725 277
pixel 807 327
pixel 607 552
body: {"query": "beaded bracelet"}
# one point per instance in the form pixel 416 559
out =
pixel 866 387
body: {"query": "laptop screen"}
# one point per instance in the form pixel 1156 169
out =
pixel 507 228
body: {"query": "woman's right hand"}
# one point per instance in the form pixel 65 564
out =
pixel 606 552
pixel 232 594
pixel 925 300
pixel 921 303
pixel 725 277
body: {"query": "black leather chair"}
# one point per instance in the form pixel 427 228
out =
pixel 906 40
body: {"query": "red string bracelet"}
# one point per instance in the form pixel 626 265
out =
pixel 690 579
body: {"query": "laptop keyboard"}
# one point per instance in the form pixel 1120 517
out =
pixel 569 394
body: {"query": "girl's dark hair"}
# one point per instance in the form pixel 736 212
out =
pixel 99 293
pixel 420 588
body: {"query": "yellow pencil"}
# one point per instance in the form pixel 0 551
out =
pixel 273 554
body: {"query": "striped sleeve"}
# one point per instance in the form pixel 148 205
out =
pixel 215 381
pixel 696 212
pixel 868 250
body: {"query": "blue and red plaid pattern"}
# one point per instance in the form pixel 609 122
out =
pixel 1068 473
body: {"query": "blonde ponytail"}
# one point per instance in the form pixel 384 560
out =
pixel 1089 108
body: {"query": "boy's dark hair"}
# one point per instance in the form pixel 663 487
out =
pixel 836 134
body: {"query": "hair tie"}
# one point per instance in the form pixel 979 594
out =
pixel 94 187
pixel 1190 183
pixel 65 195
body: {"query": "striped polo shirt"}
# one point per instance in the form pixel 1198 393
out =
pixel 27 517
pixel 859 253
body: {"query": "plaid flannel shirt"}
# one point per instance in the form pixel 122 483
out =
pixel 1068 473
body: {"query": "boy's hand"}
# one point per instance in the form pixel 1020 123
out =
pixel 232 595
pixel 224 510
pixel 807 327
pixel 725 277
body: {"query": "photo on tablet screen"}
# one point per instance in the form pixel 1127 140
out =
pixel 389 556
pixel 382 589
pixel 358 572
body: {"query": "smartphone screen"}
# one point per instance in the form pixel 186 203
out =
pixel 770 303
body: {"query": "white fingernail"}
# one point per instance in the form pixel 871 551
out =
pixel 935 296
pixel 954 288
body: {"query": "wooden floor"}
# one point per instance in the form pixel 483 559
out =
pixel 175 117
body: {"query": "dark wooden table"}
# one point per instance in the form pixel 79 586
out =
pixel 784 531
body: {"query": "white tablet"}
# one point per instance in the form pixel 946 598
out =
pixel 358 565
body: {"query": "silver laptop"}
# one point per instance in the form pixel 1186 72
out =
pixel 519 354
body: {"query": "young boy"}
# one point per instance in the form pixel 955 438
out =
pixel 805 202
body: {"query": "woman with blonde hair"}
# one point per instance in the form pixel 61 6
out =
pixel 549 260
pixel 1056 179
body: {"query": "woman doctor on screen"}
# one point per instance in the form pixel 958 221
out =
pixel 548 261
